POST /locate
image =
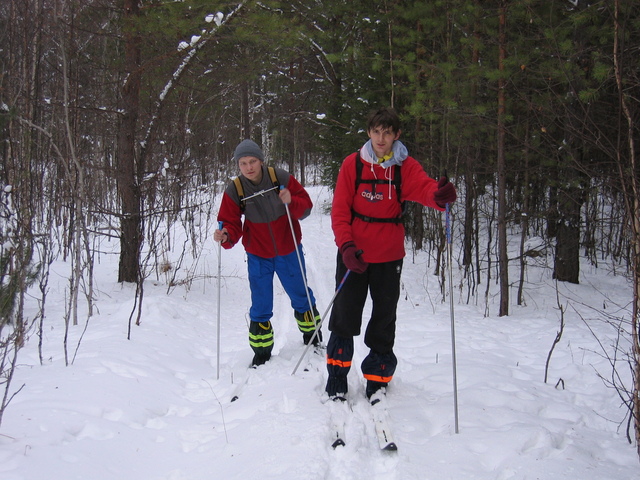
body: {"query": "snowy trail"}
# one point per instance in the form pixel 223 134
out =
pixel 152 408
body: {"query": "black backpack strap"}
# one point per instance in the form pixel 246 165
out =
pixel 365 218
pixel 397 183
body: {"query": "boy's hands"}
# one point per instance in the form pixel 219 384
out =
pixel 221 235
pixel 285 196
pixel 446 192
pixel 351 258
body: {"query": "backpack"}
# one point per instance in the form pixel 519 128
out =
pixel 240 190
pixel 397 182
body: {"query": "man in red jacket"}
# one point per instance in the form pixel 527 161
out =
pixel 366 221
pixel 269 242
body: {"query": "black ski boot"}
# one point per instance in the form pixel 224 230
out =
pixel 337 388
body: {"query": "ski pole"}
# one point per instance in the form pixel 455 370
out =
pixel 295 246
pixel 220 225
pixel 453 331
pixel 315 332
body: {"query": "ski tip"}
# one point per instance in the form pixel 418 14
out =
pixel 338 443
pixel 234 398
pixel 390 447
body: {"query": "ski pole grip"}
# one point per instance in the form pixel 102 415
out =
pixel 359 252
pixel 220 225
pixel 286 205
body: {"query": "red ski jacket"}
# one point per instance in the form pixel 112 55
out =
pixel 380 242
pixel 265 231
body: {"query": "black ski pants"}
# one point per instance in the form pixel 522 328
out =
pixel 382 282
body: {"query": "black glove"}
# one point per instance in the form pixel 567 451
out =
pixel 446 192
pixel 351 258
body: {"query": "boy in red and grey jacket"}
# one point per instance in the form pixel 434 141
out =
pixel 269 241
pixel 366 221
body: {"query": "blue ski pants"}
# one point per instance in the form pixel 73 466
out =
pixel 287 268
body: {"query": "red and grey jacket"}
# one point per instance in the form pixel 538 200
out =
pixel 265 231
pixel 379 241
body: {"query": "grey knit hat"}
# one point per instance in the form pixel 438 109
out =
pixel 248 148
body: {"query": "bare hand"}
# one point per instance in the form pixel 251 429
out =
pixel 285 196
pixel 221 235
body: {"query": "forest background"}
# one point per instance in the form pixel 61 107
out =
pixel 119 118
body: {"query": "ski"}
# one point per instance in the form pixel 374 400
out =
pixel 381 421
pixel 379 415
pixel 235 395
pixel 314 365
pixel 338 435
pixel 339 412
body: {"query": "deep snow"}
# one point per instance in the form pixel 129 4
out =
pixel 152 407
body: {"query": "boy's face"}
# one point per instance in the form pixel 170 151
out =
pixel 251 168
pixel 382 139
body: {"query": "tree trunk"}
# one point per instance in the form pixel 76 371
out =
pixel 128 185
pixel 502 174
pixel 632 197
pixel 524 220
pixel 245 123
pixel 469 200
pixel 567 261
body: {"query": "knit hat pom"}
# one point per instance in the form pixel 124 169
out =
pixel 248 148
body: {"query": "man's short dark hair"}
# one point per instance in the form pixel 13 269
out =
pixel 384 117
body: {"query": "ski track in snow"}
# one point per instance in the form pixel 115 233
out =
pixel 152 407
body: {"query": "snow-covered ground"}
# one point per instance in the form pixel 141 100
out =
pixel 152 407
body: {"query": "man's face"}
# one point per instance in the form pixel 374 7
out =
pixel 251 168
pixel 382 139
